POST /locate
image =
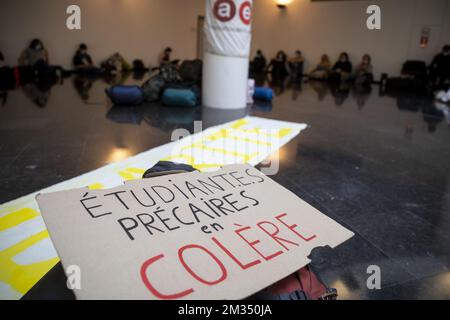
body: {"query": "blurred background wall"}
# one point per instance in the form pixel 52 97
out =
pixel 142 28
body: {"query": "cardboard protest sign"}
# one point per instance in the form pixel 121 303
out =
pixel 218 235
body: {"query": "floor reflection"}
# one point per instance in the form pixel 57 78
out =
pixel 376 162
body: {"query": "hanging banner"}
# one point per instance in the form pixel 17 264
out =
pixel 213 235
pixel 228 27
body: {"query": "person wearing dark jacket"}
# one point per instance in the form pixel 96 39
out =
pixel 343 67
pixel 81 59
pixel 259 62
pixel 83 64
pixel 278 66
pixel 440 68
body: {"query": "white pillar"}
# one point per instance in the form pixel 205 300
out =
pixel 226 55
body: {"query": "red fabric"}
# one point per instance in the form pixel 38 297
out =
pixel 304 279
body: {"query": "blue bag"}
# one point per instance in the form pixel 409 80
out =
pixel 125 95
pixel 179 97
pixel 263 94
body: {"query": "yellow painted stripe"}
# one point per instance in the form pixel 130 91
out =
pixel 17 217
pixel 23 277
pixel 96 186
pixel 131 173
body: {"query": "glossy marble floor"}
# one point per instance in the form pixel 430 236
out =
pixel 379 165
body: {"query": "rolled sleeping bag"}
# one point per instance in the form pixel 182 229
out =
pixel 263 94
pixel 179 98
pixel 125 95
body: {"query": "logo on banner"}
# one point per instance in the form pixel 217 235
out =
pixel 224 10
pixel 245 12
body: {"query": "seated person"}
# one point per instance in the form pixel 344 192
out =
pixel 342 69
pixel 36 56
pixel 277 66
pixel 35 53
pixel 364 71
pixel 322 70
pixel 296 65
pixel 164 57
pixel 259 62
pixel 82 62
pixel 440 68
pixel 116 64
pixel 81 59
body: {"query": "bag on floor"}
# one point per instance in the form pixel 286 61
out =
pixel 179 97
pixel 125 95
pixel 301 285
pixel 399 84
pixel 263 94
pixel 413 78
pixel 169 72
pixel 191 70
pixel 185 85
pixel 415 69
pixel 153 87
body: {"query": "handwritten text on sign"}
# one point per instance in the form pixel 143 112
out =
pixel 217 235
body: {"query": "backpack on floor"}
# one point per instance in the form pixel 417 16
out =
pixel 413 78
pixel 415 69
pixel 191 70
pixel 304 284
pixel 169 72
pixel 125 95
pixel 153 87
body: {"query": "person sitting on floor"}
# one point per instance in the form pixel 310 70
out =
pixel 364 71
pixel 342 69
pixel 296 66
pixel 321 71
pixel 81 59
pixel 116 64
pixel 164 57
pixel 83 64
pixel 33 54
pixel 36 57
pixel 440 68
pixel 259 62
pixel 277 66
